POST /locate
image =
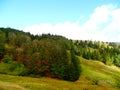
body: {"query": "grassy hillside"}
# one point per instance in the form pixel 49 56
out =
pixel 95 76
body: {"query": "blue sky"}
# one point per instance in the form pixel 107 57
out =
pixel 62 17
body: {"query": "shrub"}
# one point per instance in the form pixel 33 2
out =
pixel 12 68
pixel 7 59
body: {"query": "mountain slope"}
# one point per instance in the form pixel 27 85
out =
pixel 95 76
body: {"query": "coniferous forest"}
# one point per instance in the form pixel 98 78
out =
pixel 106 52
pixel 24 54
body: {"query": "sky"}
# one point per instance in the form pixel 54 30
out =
pixel 75 19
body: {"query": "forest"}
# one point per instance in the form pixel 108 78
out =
pixel 37 55
pixel 24 54
pixel 106 52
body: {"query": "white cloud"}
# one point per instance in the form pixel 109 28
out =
pixel 103 25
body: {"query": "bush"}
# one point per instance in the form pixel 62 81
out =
pixel 17 68
pixel 7 59
pixel 12 68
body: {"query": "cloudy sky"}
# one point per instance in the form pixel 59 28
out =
pixel 74 19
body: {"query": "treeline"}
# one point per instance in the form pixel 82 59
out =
pixel 37 55
pixel 106 52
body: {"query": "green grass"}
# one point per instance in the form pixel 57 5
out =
pixel 95 76
pixel 96 73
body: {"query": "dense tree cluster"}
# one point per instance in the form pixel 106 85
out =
pixel 43 55
pixel 108 53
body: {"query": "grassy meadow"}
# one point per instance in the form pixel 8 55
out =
pixel 95 76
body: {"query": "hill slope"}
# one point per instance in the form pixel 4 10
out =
pixel 95 76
